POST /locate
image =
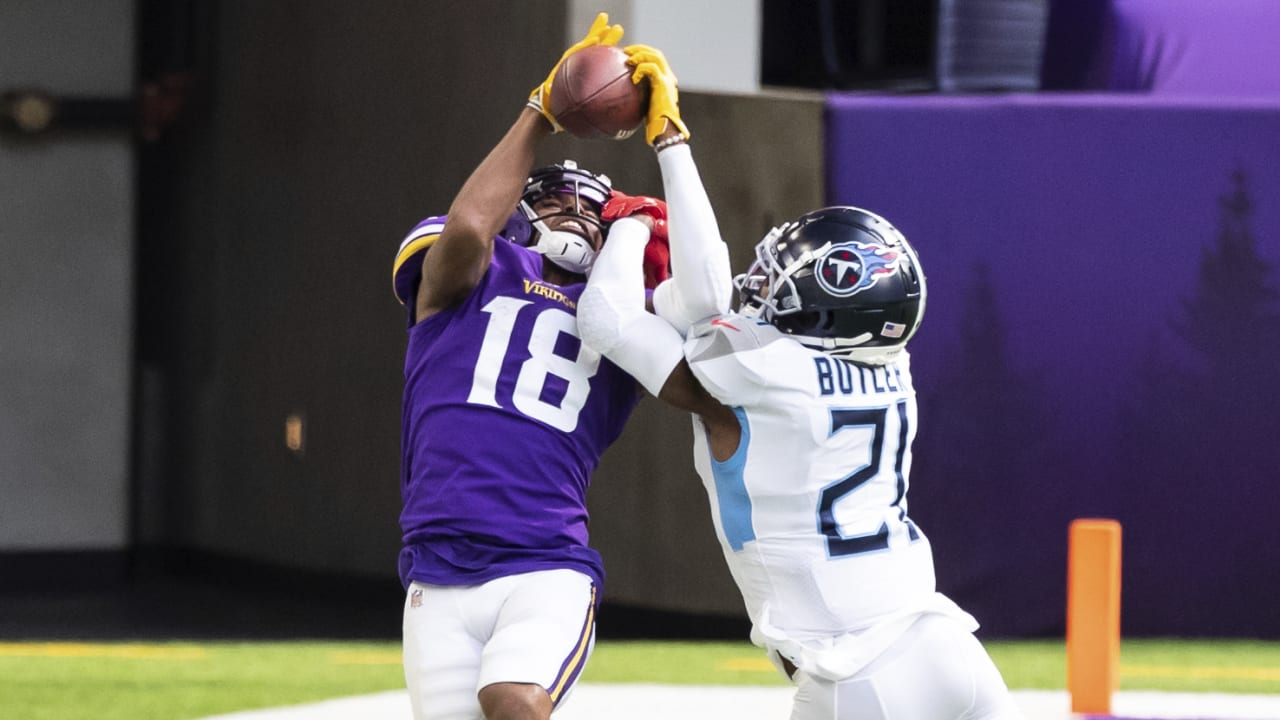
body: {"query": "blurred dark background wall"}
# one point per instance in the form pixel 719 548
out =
pixel 67 283
pixel 200 367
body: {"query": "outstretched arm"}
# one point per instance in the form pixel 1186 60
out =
pixel 612 317
pixel 701 284
pixel 457 261
pixel 459 258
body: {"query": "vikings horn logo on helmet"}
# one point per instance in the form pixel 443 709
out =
pixel 849 268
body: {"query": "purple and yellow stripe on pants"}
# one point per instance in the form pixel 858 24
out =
pixel 577 659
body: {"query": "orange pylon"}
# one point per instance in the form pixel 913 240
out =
pixel 1093 614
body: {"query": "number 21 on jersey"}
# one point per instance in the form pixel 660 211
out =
pixel 839 545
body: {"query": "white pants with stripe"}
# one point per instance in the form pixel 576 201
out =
pixel 536 628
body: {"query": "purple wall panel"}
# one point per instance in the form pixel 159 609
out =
pixel 1084 352
pixel 1224 48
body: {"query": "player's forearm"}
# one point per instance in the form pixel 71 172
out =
pixel 490 194
pixel 612 319
pixel 460 257
pixel 699 257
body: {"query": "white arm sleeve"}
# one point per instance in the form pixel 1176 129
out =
pixel 701 284
pixel 612 319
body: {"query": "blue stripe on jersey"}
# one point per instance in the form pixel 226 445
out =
pixel 731 490
pixel 577 659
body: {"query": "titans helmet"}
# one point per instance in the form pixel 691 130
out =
pixel 566 249
pixel 841 280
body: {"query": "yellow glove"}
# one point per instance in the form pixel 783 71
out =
pixel 664 99
pixel 601 33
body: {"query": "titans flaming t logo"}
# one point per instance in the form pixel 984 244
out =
pixel 849 268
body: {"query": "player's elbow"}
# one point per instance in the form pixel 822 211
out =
pixel 683 301
pixel 463 226
pixel 641 344
pixel 474 223
pixel 600 320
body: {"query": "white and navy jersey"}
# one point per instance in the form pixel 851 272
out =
pixel 811 510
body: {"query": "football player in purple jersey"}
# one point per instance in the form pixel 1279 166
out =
pixel 505 415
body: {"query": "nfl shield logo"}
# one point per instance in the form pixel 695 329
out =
pixel 415 598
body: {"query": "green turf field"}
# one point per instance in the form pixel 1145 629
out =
pixel 179 680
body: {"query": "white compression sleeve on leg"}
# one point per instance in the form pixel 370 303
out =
pixel 611 315
pixel 701 284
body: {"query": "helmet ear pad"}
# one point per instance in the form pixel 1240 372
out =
pixel 805 322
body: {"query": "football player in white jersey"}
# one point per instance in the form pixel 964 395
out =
pixel 803 416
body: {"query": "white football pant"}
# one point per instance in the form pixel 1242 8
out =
pixel 937 670
pixel 536 628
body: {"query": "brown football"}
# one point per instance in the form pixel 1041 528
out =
pixel 592 95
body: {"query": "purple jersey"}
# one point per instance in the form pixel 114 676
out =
pixel 506 414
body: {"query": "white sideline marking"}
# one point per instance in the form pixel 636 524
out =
pixel 694 702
